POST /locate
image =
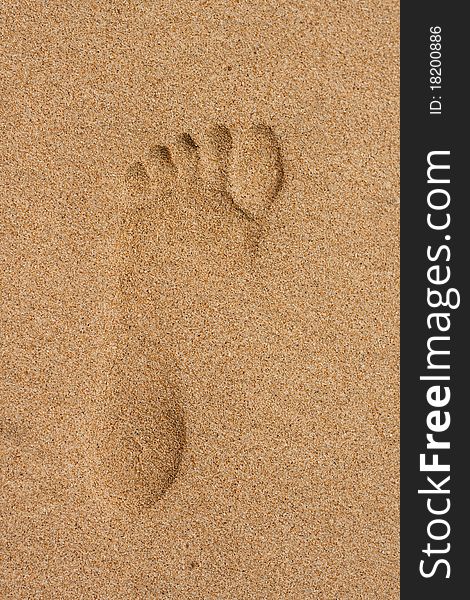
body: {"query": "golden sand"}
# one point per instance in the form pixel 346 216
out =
pixel 199 245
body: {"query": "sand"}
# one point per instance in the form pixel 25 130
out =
pixel 199 300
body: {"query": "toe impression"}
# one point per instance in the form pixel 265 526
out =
pixel 256 171
pixel 216 145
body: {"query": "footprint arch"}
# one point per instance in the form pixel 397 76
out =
pixel 139 432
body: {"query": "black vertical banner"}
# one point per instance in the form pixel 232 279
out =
pixel 435 253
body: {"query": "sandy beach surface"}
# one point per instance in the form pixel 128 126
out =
pixel 199 225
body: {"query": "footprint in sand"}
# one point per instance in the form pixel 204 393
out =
pixel 213 195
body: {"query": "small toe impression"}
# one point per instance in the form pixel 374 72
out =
pixel 137 177
pixel 256 171
pixel 159 163
pixel 216 144
pixel 185 153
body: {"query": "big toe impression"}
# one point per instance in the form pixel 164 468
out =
pixel 256 174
